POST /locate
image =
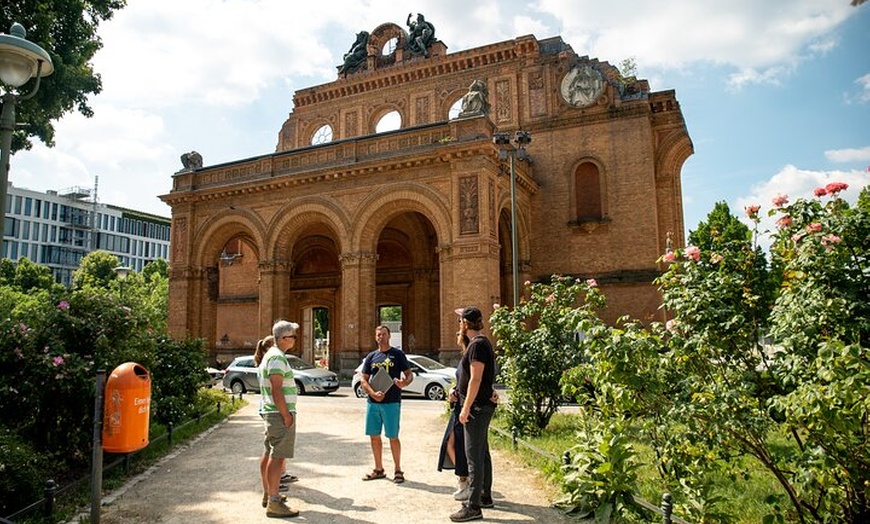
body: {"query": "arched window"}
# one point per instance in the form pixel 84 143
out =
pixel 455 109
pixel 587 193
pixel 322 135
pixel 389 122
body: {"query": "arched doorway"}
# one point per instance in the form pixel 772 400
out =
pixel 407 278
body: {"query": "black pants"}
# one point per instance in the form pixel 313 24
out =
pixel 477 453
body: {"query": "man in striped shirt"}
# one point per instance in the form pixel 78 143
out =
pixel 278 410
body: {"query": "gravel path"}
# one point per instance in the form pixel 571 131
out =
pixel 215 479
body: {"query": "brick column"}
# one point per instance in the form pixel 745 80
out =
pixel 274 292
pixel 357 307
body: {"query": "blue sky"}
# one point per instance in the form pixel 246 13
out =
pixel 776 94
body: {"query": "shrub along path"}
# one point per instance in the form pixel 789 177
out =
pixel 216 479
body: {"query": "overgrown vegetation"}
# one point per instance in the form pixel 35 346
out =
pixel 52 342
pixel 703 393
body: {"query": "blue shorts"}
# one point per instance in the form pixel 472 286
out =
pixel 383 415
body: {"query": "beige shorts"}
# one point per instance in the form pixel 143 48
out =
pixel 279 442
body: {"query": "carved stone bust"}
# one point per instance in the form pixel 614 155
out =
pixel 582 86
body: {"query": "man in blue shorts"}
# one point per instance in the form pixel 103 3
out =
pixel 383 409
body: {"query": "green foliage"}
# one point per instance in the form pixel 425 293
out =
pixel 67 30
pixel 706 394
pixel 22 472
pixel 601 478
pixel 53 341
pixel 539 342
pixel 97 269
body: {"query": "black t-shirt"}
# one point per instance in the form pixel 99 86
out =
pixel 479 350
pixel 395 361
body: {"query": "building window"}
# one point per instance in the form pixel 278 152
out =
pixel 389 122
pixel 28 206
pixel 587 193
pixel 323 135
pixel 18 201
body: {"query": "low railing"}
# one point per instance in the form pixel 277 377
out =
pixel 665 511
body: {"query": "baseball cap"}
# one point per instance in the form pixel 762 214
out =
pixel 471 314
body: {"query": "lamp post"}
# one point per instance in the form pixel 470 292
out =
pixel 503 140
pixel 20 60
pixel 122 272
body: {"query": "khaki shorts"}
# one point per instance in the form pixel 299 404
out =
pixel 279 442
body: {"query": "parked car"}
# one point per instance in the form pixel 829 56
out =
pixel 216 375
pixel 241 376
pixel 432 379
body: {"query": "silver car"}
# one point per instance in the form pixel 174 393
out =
pixel 241 376
pixel 432 379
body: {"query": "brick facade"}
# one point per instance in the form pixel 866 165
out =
pixel 421 216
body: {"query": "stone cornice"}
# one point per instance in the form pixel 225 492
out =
pixel 416 70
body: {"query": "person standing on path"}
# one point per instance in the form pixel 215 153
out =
pixel 476 375
pixel 278 411
pixel 383 408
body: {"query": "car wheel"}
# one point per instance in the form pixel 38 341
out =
pixel 237 387
pixel 300 389
pixel 359 391
pixel 435 392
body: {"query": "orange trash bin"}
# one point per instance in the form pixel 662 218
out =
pixel 127 409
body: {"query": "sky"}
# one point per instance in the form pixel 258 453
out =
pixel 775 94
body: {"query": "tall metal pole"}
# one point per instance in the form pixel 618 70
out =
pixel 515 259
pixel 97 456
pixel 7 125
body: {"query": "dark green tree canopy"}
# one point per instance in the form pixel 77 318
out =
pixel 67 29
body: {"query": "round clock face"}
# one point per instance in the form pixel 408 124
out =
pixel 582 86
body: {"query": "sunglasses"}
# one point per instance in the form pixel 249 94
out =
pixel 285 337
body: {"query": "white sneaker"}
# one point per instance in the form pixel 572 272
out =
pixel 464 491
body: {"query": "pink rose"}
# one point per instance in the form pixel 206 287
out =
pixel 780 200
pixel 63 304
pixel 669 257
pixel 671 325
pixel 694 253
pixel 752 211
pixel 783 222
pixel 57 361
pixel 591 282
pixel 797 237
pixel 815 227
pixel 819 192
pixel 835 187
pixel 550 298
pixel 829 240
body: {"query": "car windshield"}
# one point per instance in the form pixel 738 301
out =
pixel 297 363
pixel 428 363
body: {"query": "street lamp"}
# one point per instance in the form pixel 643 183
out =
pixel 20 60
pixel 503 140
pixel 122 272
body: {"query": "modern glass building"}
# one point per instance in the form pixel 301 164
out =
pixel 58 228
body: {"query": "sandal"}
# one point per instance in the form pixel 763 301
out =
pixel 399 477
pixel 375 474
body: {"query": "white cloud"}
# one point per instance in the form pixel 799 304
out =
pixel 863 96
pixel 794 183
pixel 848 155
pixel 761 40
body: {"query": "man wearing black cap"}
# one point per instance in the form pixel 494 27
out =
pixel 476 374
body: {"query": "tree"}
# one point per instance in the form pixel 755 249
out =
pixel 97 269
pixel 539 341
pixel 67 29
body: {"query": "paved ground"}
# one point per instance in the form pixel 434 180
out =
pixel 216 479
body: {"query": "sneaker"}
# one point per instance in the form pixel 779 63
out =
pixel 277 508
pixel 266 499
pixel 466 513
pixel 463 492
pixel 486 502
